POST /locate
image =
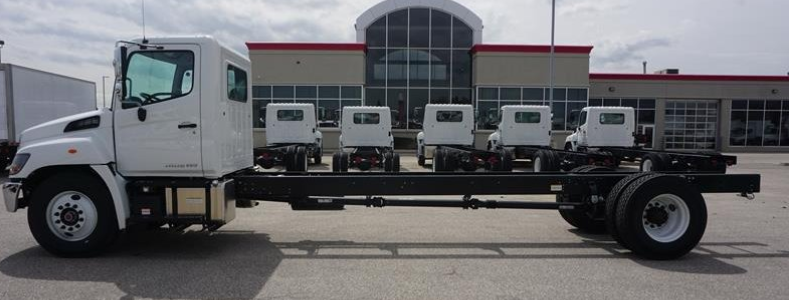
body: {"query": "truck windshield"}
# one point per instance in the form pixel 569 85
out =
pixel 290 115
pixel 366 118
pixel 155 76
pixel 453 116
pixel 612 119
pixel 529 117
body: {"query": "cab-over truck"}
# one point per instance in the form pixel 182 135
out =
pixel 176 148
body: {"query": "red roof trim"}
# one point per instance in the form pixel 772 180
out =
pixel 307 46
pixel 682 77
pixel 532 49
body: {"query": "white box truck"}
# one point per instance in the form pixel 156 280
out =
pixel 30 97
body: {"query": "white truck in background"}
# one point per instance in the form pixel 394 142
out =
pixel 606 136
pixel 366 140
pixel 30 97
pixel 292 137
pixel 447 138
pixel 523 130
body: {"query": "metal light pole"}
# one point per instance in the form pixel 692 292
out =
pixel 103 93
pixel 553 24
pixel 2 43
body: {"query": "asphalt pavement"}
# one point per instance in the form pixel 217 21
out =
pixel 271 252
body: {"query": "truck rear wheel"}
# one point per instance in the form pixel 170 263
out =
pixel 72 215
pixel 655 162
pixel 610 205
pixel 505 161
pixel 395 162
pixel 301 161
pixel 420 160
pixel 545 161
pixel 339 162
pixel 661 217
pixel 344 157
pixel 438 160
pixel 290 158
pixel 388 166
pixel 580 218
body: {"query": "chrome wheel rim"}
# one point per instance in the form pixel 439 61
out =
pixel 666 218
pixel 536 163
pixel 646 166
pixel 71 216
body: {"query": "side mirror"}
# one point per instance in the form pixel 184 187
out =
pixel 142 114
pixel 117 62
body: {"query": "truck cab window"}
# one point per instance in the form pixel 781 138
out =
pixel 236 84
pixel 529 117
pixel 366 118
pixel 454 116
pixel 290 115
pixel 582 118
pixel 156 76
pixel 612 119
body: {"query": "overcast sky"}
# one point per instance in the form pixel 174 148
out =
pixel 76 38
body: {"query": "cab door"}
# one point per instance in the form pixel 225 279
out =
pixel 583 127
pixel 157 120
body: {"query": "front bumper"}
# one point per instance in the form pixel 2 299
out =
pixel 10 195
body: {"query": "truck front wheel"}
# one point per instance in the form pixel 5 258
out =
pixel 72 215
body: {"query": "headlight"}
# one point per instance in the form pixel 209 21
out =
pixel 19 162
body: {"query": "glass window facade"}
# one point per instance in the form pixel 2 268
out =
pixel 417 56
pixel 759 123
pixel 327 99
pixel 566 105
pixel 691 124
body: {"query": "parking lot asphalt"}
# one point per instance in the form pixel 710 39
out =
pixel 271 252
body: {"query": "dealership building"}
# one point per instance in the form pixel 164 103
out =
pixel 409 53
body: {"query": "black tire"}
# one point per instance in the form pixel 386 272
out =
pixel 568 147
pixel 106 229
pixel 546 160
pixel 395 162
pixel 301 162
pixel 450 161
pixel 335 162
pixel 579 218
pixel 318 156
pixel 505 161
pixel 420 160
pixel 290 159
pixel 344 158
pixel 438 160
pixel 388 162
pixel 611 202
pixel 630 216
pixel 555 161
pixel 652 163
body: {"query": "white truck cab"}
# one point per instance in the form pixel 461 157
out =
pixel 366 126
pixel 292 137
pixel 366 140
pixel 603 127
pixel 522 125
pixel 181 109
pixel 291 123
pixel 445 124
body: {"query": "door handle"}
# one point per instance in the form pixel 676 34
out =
pixel 187 125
